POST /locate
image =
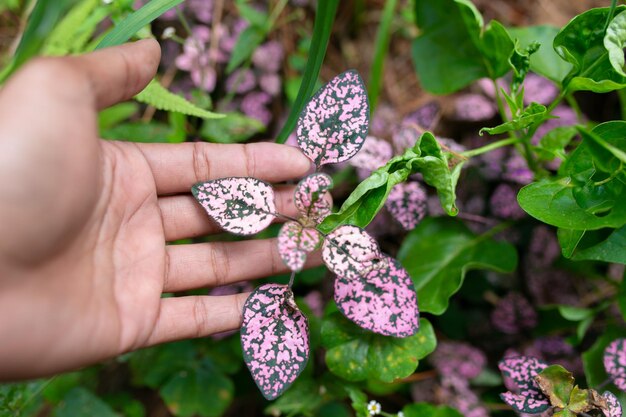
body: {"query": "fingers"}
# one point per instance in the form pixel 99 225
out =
pixel 196 316
pixel 183 217
pixel 220 263
pixel 177 167
pixel 118 73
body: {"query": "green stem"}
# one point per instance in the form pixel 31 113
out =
pixel 610 16
pixel 622 101
pixel 574 105
pixel 490 147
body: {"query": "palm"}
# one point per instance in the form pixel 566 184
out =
pixel 83 259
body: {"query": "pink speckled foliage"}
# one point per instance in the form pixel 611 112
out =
pixel 614 406
pixel 333 125
pixel 519 373
pixel 239 205
pixel 274 339
pixel 383 300
pixel 407 204
pixel 295 242
pixel 309 196
pixel 349 252
pixel 615 362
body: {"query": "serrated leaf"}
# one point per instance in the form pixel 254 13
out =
pixel 439 252
pixel 407 204
pixel 615 362
pixel 160 98
pixel 62 39
pixel 356 354
pixel 295 242
pixel 350 252
pixel 383 300
pixel 615 41
pixel 614 408
pixel 239 205
pixel 274 338
pixel 520 373
pixel 309 196
pixel 333 125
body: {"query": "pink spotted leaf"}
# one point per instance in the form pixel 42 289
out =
pixel 519 376
pixel 274 339
pixel 333 125
pixel 350 252
pixel 383 300
pixel 239 205
pixel 615 362
pixel 295 242
pixel 374 154
pixel 407 203
pixel 309 197
pixel 614 408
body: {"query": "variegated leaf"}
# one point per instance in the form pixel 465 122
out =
pixel 350 252
pixel 274 339
pixel 521 370
pixel 383 300
pixel 614 406
pixel 309 196
pixel 528 401
pixel 295 242
pixel 333 125
pixel 239 205
pixel 374 154
pixel 407 204
pixel 615 362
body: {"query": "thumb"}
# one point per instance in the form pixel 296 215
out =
pixel 118 73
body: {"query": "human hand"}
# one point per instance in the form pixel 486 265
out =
pixel 84 222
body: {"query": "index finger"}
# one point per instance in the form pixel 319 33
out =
pixel 176 167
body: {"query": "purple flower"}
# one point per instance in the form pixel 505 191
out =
pixel 228 39
pixel 513 314
pixel 457 393
pixel 202 10
pixel 516 170
pixel 503 203
pixel 268 57
pixel 315 302
pixel 539 89
pixel 195 59
pixel 457 359
pixel 474 108
pixel 555 350
pixel 241 81
pixel 270 83
pixel 255 105
pixel 544 247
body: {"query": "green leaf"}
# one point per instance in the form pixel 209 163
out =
pixel 545 61
pixel 41 22
pixel 552 144
pixel 429 410
pixel 74 30
pixel 575 313
pixel 581 42
pixel 153 132
pixel 80 402
pixel 621 297
pixel 201 390
pixel 454 49
pixel 356 354
pixel 302 398
pixel 381 47
pixel 569 240
pixel 615 41
pixel 253 15
pixel 439 252
pixel 249 39
pixel 233 128
pixel 359 401
pixel 159 97
pixel 613 249
pixel 324 18
pixel 135 21
pixel 552 202
pixel 556 383
pixel 426 157
pixel 116 114
pixel 532 114
pixel 152 367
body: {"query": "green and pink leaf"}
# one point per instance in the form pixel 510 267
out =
pixel 407 204
pixel 309 196
pixel 350 252
pixel 274 339
pixel 295 242
pixel 615 362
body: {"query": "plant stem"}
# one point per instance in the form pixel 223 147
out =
pixel 490 147
pixel 293 275
pixel 610 16
pixel 574 105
